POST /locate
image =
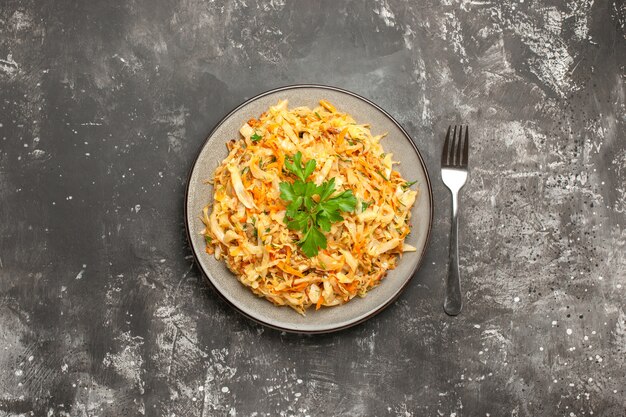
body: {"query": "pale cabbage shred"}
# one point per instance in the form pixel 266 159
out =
pixel 246 227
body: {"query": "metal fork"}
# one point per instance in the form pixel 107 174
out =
pixel 454 174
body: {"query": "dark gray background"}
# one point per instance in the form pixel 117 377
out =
pixel 104 105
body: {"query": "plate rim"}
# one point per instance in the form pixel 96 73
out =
pixel 207 275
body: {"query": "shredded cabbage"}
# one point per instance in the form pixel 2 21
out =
pixel 245 226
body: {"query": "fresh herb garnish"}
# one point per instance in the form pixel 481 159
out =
pixel 365 204
pixel 309 215
pixel 318 115
pixel 408 184
pixel 208 239
pixel 256 137
pixel 382 175
pixel 294 165
pixel 255 232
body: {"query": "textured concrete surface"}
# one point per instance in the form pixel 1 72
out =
pixel 104 104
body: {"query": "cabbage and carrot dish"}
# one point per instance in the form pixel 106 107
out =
pixel 307 209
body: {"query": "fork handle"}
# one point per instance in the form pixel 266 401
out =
pixel 453 302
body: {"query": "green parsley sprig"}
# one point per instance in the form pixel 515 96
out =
pixel 312 209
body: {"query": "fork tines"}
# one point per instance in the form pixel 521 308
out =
pixel 455 155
